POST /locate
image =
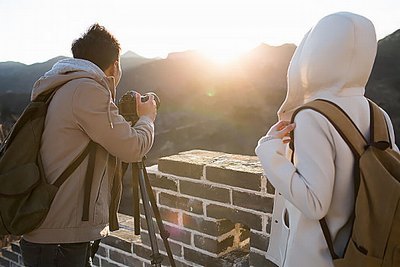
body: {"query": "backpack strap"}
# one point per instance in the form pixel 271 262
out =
pixel 88 181
pixel 379 136
pixel 91 151
pixel 90 148
pixel 341 121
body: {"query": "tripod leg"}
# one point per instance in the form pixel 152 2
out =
pixel 164 234
pixel 135 198
pixel 156 257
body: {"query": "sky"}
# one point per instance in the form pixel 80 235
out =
pixel 36 30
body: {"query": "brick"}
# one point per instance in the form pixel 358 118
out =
pixel 124 259
pixel 162 181
pixel 9 255
pixel 237 258
pixel 175 248
pixel 236 170
pixel 119 243
pixel 182 264
pixel 270 188
pixel 252 201
pixel 259 241
pixel 213 245
pixel 177 234
pixel 201 224
pixel 219 212
pixel 4 262
pixel 169 215
pixel 141 251
pixel 183 203
pixel 259 260
pixel 143 224
pixel 106 263
pixel 146 253
pixel 201 259
pixel 234 178
pixel 96 261
pixel 188 164
pixel 179 168
pixel 102 251
pixel 166 263
pixel 160 209
pixel 177 264
pixel 15 247
pixel 205 191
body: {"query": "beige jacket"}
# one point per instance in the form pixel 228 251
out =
pixel 83 109
pixel 333 62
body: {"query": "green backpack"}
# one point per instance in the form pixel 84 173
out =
pixel 25 195
pixel 375 238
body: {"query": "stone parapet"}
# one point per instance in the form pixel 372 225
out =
pixel 217 208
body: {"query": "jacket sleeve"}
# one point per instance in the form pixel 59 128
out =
pixel 308 184
pixel 93 109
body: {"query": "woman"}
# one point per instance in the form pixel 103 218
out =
pixel 333 62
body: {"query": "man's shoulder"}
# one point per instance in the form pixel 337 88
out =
pixel 86 87
pixel 84 82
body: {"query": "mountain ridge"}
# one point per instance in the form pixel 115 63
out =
pixel 206 106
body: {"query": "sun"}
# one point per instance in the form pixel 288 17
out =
pixel 224 55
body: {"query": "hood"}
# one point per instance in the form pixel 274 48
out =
pixel 70 69
pixel 335 58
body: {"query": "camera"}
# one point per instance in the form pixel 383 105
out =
pixel 127 105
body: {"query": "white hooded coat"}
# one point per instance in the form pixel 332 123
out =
pixel 333 62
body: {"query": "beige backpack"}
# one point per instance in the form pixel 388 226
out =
pixel 375 238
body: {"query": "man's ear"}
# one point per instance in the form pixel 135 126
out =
pixel 109 71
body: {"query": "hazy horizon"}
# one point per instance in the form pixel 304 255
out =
pixel 123 54
pixel 36 31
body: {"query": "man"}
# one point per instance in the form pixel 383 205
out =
pixel 83 109
pixel 333 62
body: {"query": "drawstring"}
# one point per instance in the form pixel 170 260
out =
pixel 110 99
pixel 109 111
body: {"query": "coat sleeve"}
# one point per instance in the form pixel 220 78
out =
pixel 93 109
pixel 391 131
pixel 308 183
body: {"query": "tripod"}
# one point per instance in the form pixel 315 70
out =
pixel 140 181
pixel 127 108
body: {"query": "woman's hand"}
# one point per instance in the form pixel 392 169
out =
pixel 281 130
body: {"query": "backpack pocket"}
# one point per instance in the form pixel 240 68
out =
pixel 356 258
pixel 19 181
pixel 25 199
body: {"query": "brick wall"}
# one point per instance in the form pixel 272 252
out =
pixel 217 208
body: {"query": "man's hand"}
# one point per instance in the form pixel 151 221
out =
pixel 148 108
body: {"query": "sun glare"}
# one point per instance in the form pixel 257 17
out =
pixel 224 56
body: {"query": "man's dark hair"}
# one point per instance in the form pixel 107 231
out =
pixel 98 46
